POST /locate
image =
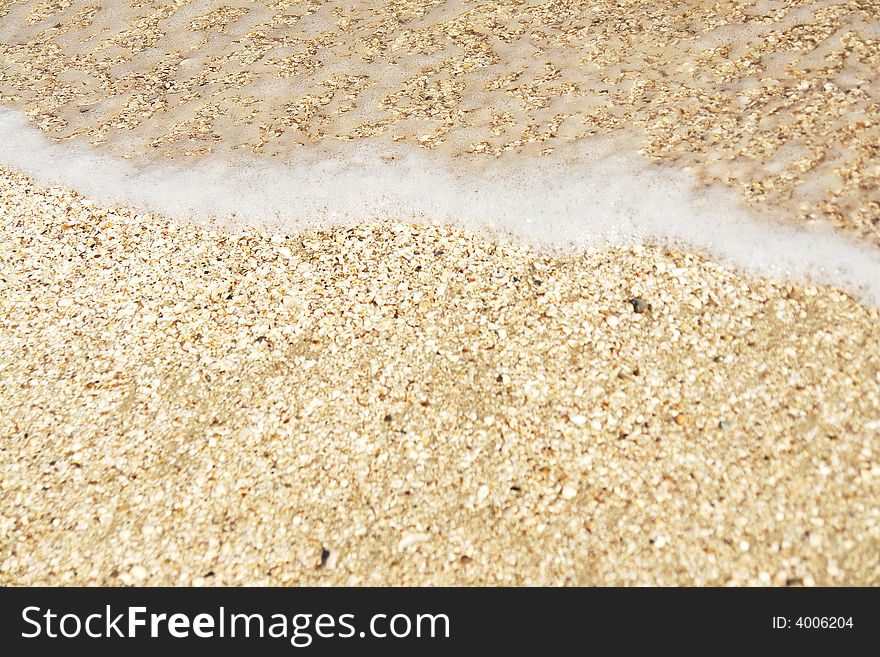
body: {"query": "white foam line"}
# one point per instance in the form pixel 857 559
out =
pixel 600 199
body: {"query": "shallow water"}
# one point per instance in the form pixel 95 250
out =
pixel 596 197
pixel 533 118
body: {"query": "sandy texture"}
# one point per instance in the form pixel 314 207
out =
pixel 399 404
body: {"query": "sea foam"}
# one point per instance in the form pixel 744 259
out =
pixel 593 195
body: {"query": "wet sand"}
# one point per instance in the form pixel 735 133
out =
pixel 777 98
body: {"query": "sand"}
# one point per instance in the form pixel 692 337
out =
pixel 402 404
pixel 397 403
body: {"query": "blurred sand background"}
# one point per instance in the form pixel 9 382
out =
pixel 393 403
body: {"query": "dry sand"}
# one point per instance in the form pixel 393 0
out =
pixel 414 404
pixel 419 405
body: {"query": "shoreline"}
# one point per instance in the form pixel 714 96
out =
pixel 777 101
pixel 590 197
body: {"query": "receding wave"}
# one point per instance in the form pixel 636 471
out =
pixel 593 195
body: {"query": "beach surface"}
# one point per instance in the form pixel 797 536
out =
pixel 384 401
pixel 412 404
